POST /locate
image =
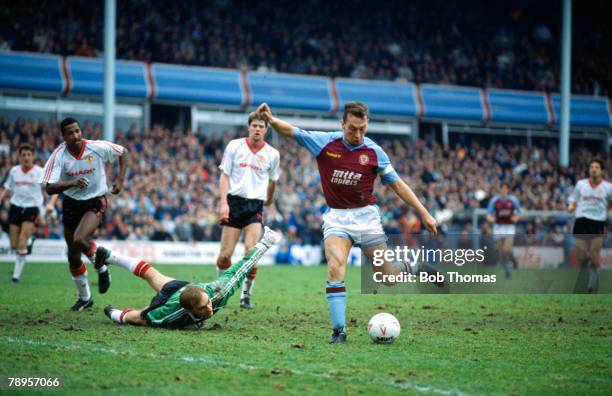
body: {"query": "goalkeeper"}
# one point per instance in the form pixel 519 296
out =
pixel 178 303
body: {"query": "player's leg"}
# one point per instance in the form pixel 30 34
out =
pixel 228 283
pixel 582 248
pixel 21 248
pixel 78 271
pixel 14 230
pixel 387 267
pixel 126 316
pixel 336 252
pixel 229 238
pixel 503 259
pixel 594 253
pixel 252 233
pixel 506 249
pixel 139 267
pixel 84 242
pixel 396 268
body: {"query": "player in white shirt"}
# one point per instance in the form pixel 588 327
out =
pixel 590 201
pixel 26 202
pixel 76 168
pixel 249 171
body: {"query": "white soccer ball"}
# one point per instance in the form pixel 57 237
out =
pixel 383 328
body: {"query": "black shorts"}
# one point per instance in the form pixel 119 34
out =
pixel 584 226
pixel 75 209
pixel 243 211
pixel 18 214
pixel 163 295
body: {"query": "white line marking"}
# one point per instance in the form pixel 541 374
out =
pixel 220 363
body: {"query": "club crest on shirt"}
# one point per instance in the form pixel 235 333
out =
pixel 261 158
pixel 364 159
pixel 88 159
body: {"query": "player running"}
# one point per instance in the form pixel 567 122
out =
pixel 504 211
pixel 26 203
pixel 590 201
pixel 249 171
pixel 76 168
pixel 348 165
pixel 180 303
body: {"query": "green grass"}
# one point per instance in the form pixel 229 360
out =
pixel 450 344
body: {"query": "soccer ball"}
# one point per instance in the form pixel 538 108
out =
pixel 383 328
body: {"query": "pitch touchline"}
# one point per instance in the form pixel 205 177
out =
pixel 197 359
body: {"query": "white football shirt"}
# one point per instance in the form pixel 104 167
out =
pixel 89 164
pixel 24 187
pixel 592 200
pixel 250 169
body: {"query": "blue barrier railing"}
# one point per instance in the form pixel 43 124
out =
pixel 517 106
pixel 87 76
pixel 31 72
pixel 584 111
pixel 384 98
pixel 226 87
pixel 197 84
pixel 291 91
pixel 460 103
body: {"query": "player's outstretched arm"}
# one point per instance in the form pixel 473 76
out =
pixel 123 165
pixel 282 127
pixel 409 197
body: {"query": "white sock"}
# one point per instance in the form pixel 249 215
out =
pixel 20 261
pixel 593 275
pixel 247 287
pixel 127 262
pixel 118 316
pixel 82 286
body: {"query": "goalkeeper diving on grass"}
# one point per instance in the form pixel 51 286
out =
pixel 178 303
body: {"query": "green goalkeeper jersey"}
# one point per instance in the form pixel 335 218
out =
pixel 171 314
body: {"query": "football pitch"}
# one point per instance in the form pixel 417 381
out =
pixel 449 344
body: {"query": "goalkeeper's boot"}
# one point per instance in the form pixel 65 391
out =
pixel 107 311
pixel 338 336
pixel 270 237
pixel 104 279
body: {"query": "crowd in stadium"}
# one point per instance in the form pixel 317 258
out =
pixel 171 191
pixel 487 44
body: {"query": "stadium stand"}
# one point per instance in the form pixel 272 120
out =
pixel 512 45
pixel 172 187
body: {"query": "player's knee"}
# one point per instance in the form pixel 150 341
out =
pixel 81 243
pixel 224 261
pixel 252 274
pixel 335 270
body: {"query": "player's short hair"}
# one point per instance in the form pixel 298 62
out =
pixel 67 121
pixel 356 109
pixel 599 161
pixel 507 184
pixel 254 116
pixel 190 297
pixel 26 147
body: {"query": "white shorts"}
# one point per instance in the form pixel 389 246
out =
pixel 501 231
pixel 362 226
